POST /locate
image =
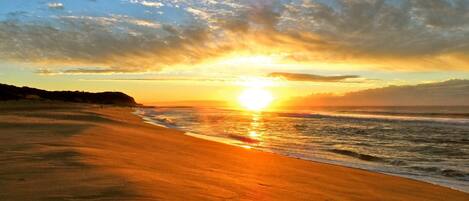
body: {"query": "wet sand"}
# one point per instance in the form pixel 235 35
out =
pixel 58 151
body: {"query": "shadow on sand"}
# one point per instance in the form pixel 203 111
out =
pixel 38 161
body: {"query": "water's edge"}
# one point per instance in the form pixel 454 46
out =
pixel 317 160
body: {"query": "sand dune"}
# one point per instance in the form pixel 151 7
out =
pixel 51 151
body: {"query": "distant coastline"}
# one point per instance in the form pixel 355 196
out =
pixel 10 92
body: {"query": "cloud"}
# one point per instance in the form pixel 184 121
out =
pixel 112 20
pixel 145 23
pixel 410 35
pixel 98 70
pixel 44 71
pixel 155 4
pixel 451 92
pixel 110 70
pixel 56 5
pixel 165 79
pixel 83 42
pixel 198 13
pixel 312 77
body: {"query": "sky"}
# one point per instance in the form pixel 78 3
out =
pixel 174 50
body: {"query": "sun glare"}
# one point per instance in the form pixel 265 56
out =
pixel 255 99
pixel 248 60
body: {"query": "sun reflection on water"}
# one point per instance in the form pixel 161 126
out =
pixel 253 134
pixel 256 127
pixel 246 146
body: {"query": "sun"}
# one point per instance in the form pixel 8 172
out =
pixel 255 99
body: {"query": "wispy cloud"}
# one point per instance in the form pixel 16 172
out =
pixel 165 79
pixel 120 21
pixel 55 5
pixel 451 92
pixel 148 3
pixel 199 13
pixel 74 71
pixel 311 77
pixel 81 42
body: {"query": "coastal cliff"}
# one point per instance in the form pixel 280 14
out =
pixel 10 92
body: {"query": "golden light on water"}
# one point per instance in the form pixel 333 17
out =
pixel 253 134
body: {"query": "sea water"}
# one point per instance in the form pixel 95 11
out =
pixel 424 143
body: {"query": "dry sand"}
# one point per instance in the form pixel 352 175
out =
pixel 52 151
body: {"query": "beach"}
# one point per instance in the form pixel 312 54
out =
pixel 63 151
pixel 429 149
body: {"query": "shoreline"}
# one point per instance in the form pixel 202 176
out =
pixel 233 142
pixel 96 153
pixel 327 162
pixel 324 161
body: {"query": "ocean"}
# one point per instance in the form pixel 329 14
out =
pixel 425 143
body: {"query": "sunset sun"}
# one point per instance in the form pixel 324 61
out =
pixel 255 99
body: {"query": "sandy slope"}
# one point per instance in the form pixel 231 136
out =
pixel 82 152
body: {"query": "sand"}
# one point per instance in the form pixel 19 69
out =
pixel 57 151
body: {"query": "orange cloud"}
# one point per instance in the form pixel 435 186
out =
pixel 414 35
pixel 311 77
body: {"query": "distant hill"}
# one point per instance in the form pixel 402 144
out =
pixel 10 92
pixel 447 93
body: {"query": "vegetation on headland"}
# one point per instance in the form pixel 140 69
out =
pixel 10 92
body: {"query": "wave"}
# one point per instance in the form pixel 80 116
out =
pixel 165 121
pixel 367 157
pixel 376 117
pixel 243 139
pixel 460 175
pixel 409 114
pixel 364 157
pixel 152 117
pixel 462 141
pixel 457 174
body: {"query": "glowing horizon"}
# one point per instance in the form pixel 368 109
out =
pixel 167 51
pixel 255 99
